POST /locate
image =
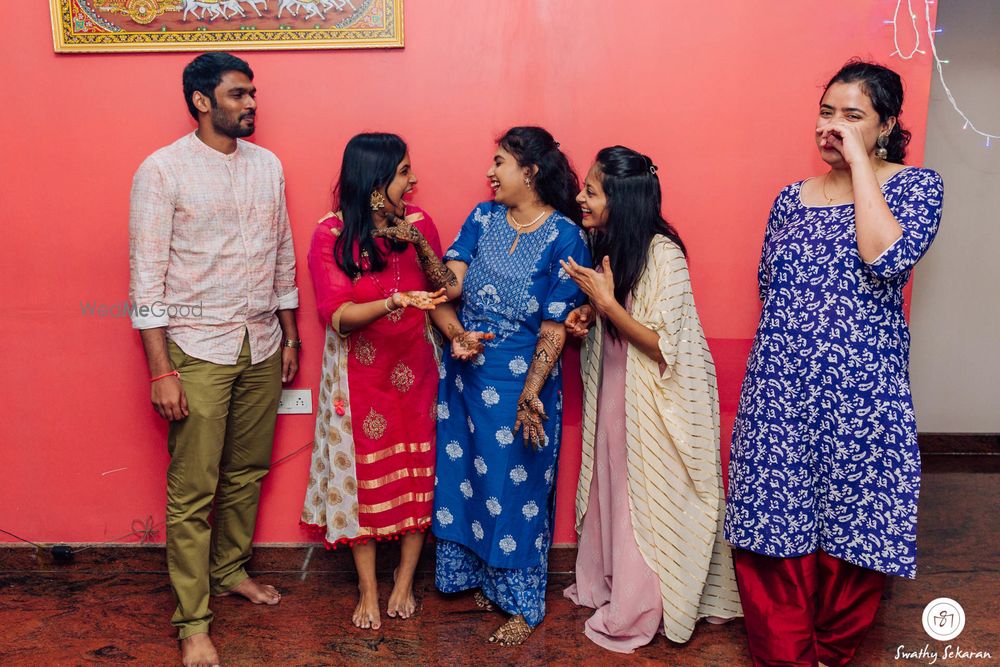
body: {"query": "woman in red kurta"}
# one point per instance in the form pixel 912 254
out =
pixel 373 264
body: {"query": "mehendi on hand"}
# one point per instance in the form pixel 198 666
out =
pixel 530 409
pixel 435 270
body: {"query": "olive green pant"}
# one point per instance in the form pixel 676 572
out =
pixel 220 451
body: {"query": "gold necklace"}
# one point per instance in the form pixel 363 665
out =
pixel 850 190
pixel 829 199
pixel 520 228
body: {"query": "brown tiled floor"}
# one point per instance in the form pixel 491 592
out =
pixel 112 605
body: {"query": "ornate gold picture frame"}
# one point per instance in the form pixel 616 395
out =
pixel 95 26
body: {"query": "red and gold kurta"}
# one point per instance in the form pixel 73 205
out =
pixel 372 473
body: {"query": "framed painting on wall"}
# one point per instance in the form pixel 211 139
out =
pixel 95 26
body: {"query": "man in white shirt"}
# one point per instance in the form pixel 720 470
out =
pixel 213 291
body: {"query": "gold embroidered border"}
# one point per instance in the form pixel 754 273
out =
pixel 399 448
pixel 336 317
pixel 396 502
pixel 137 35
pixel 394 476
pixel 408 524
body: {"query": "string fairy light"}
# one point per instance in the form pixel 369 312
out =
pixel 895 32
pixel 938 61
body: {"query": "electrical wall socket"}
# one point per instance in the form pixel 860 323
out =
pixel 295 402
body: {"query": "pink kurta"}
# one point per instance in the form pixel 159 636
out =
pixel 611 574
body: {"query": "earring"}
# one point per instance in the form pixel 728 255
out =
pixel 881 153
pixel 377 200
pixel 527 181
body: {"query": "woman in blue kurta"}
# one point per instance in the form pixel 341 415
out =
pixel 825 470
pixel 500 399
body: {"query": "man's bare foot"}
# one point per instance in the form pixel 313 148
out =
pixel 401 600
pixel 366 614
pixel 256 593
pixel 199 651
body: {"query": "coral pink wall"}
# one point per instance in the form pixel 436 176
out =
pixel 722 94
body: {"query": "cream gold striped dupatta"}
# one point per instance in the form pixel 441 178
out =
pixel 672 438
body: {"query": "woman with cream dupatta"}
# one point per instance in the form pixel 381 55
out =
pixel 650 504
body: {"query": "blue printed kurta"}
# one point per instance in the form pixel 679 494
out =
pixel 494 495
pixel 824 451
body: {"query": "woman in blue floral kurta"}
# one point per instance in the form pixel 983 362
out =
pixel 825 470
pixel 493 499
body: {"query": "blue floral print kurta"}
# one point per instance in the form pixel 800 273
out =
pixel 824 451
pixel 493 495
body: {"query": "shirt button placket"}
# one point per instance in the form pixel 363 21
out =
pixel 240 196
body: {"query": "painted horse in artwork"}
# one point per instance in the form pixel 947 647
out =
pixel 311 7
pixel 253 5
pixel 214 8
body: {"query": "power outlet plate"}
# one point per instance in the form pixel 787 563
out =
pixel 295 402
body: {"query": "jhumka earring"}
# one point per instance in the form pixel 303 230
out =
pixel 881 153
pixel 377 200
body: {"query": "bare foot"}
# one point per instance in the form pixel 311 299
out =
pixel 512 633
pixel 256 593
pixel 199 651
pixel 401 600
pixel 366 614
pixel 717 620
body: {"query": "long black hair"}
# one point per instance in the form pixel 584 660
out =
pixel 885 90
pixel 632 191
pixel 555 181
pixel 370 162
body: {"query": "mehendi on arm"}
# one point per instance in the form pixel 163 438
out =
pixel 530 410
pixel 438 275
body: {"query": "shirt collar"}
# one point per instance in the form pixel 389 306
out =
pixel 205 149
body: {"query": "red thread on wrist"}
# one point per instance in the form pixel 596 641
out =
pixel 160 377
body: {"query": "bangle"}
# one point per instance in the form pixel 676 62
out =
pixel 293 343
pixel 165 375
pixel 388 306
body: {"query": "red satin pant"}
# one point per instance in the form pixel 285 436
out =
pixel 805 610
